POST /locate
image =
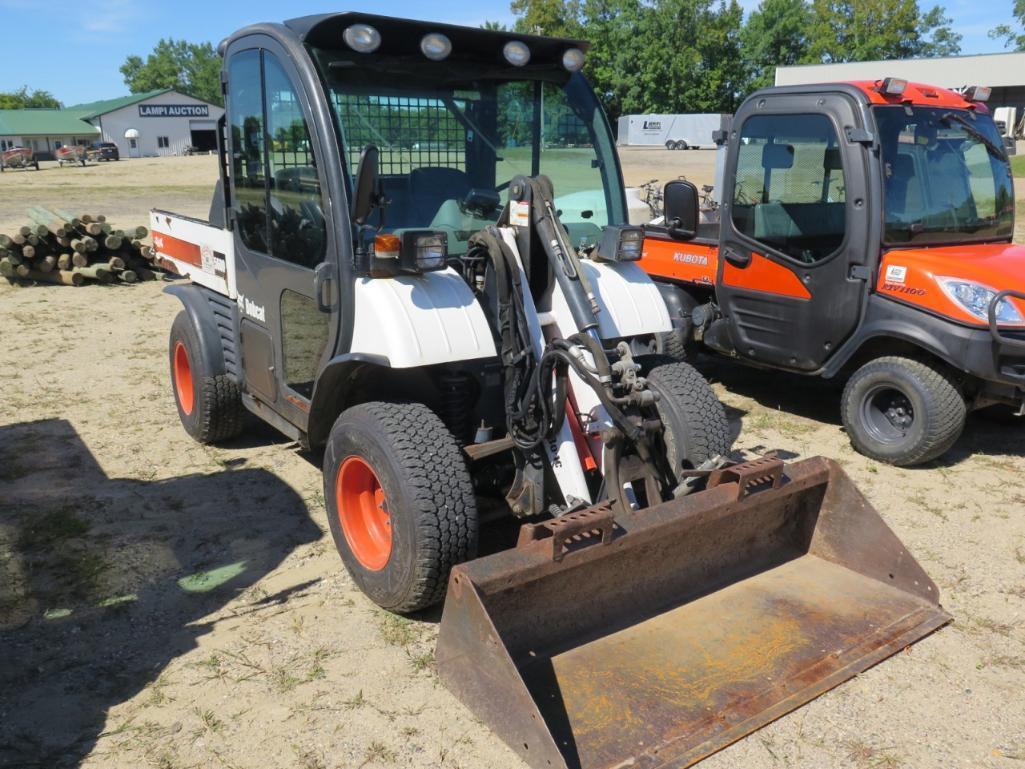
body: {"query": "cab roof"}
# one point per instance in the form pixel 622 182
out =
pixel 402 36
pixel 918 95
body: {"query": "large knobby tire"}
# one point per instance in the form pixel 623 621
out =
pixel 400 502
pixel 696 428
pixel 209 403
pixel 903 411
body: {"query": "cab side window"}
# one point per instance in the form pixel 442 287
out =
pixel 789 189
pixel 280 206
pixel 245 106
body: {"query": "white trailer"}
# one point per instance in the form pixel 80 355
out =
pixel 674 132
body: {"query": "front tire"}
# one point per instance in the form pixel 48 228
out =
pixel 209 404
pixel 696 428
pixel 902 411
pixel 400 502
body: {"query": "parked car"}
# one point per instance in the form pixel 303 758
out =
pixel 105 151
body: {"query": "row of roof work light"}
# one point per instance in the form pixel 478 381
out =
pixel 364 38
pixel 894 86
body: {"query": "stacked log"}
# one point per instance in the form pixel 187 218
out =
pixel 72 249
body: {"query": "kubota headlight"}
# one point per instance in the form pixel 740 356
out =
pixel 976 298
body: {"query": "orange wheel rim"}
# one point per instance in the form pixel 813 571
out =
pixel 183 378
pixel 363 513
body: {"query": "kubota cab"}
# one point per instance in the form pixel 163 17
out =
pixel 864 233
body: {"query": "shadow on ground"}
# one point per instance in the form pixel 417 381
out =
pixel 104 580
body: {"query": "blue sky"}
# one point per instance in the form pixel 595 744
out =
pixel 77 58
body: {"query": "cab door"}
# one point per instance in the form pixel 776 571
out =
pixel 791 279
pixel 284 253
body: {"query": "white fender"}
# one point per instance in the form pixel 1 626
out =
pixel 630 302
pixel 420 320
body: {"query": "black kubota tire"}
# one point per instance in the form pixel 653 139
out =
pixel 399 459
pixel 697 428
pixel 209 404
pixel 675 344
pixel 902 411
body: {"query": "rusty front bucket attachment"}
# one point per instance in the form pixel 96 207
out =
pixel 664 635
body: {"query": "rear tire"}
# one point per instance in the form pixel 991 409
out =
pixel 670 145
pixel 682 145
pixel 422 521
pixel 902 411
pixel 209 404
pixel 696 426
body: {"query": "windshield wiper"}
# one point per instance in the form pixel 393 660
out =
pixel 994 149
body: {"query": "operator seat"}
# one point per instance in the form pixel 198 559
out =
pixel 902 172
pixel 431 186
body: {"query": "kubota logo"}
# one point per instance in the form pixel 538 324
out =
pixel 691 259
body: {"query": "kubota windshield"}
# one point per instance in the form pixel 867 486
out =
pixel 945 177
pixel 450 140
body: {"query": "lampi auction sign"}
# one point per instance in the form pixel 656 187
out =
pixel 174 110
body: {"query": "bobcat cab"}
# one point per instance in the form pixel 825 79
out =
pixel 417 261
pixel 864 234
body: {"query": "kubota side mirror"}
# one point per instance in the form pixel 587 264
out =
pixel 680 204
pixel 365 196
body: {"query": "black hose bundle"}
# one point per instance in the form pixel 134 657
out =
pixel 533 411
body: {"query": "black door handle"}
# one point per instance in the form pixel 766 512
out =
pixel 323 277
pixel 736 258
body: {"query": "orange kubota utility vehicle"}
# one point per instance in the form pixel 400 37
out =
pixel 864 234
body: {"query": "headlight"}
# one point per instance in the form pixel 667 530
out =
pixel 435 46
pixel 620 243
pixel 362 38
pixel 423 250
pixel 516 53
pixel 573 60
pixel 976 298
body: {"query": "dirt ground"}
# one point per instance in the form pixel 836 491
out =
pixel 165 604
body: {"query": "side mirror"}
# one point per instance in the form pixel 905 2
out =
pixel 364 193
pixel 680 204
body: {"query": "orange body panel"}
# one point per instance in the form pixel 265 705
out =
pixel 687 262
pixel 765 275
pixel 909 275
pixel 919 95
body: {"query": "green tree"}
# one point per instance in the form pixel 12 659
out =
pixel 494 26
pixel 775 35
pixel 193 68
pixel 24 99
pixel 557 18
pixel 1013 38
pixel 863 30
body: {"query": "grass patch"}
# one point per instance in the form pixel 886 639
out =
pixel 48 530
pixel 865 756
pixel 1018 165
pixel 398 631
pixel 378 752
pixel 355 702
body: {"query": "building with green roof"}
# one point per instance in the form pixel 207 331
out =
pixel 161 122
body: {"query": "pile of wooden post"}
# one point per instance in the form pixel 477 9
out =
pixel 60 247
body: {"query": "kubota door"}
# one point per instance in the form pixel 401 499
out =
pixel 283 245
pixel 795 223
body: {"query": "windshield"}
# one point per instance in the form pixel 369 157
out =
pixel 945 176
pixel 449 144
